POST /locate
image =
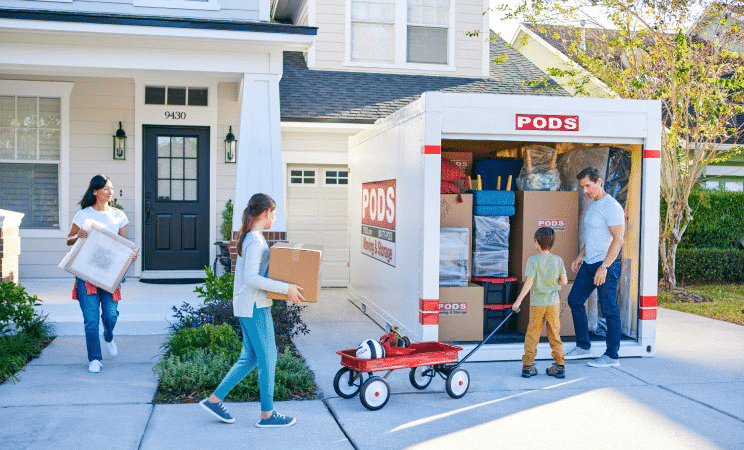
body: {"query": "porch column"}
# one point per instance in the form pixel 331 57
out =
pixel 259 165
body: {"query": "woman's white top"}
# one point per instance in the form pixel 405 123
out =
pixel 112 219
pixel 251 284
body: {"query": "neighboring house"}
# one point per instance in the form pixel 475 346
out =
pixel 543 46
pixel 178 73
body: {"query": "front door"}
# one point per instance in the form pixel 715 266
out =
pixel 176 198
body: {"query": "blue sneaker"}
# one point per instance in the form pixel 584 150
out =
pixel 275 421
pixel 217 410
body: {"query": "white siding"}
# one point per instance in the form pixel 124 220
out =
pixel 96 107
pixel 329 49
pixel 229 9
pixel 228 115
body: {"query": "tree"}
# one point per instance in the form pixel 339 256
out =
pixel 687 54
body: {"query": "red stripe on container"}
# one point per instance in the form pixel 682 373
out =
pixel 429 318
pixel 647 314
pixel 432 149
pixel 428 305
pixel 652 153
pixel 648 301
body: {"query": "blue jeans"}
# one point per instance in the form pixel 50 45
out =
pixel 259 349
pixel 607 299
pixel 90 305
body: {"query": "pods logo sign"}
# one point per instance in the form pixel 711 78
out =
pixel 378 220
pixel 543 122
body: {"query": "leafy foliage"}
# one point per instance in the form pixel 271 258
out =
pixel 213 338
pixel 198 374
pixel 703 265
pixel 16 308
pixel 218 309
pixel 23 331
pixel 227 217
pixel 718 223
pixel 647 50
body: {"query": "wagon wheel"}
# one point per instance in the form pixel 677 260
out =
pixel 421 376
pixel 375 393
pixel 457 383
pixel 347 382
pixel 406 342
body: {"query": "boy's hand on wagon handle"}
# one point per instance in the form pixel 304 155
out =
pixel 294 295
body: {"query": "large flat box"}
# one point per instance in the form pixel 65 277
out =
pixel 567 327
pixel 454 214
pixel 298 264
pixel 461 313
pixel 534 209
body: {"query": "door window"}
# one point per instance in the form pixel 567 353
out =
pixel 177 168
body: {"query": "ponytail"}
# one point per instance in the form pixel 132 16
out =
pixel 256 206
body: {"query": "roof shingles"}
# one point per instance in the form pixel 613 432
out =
pixel 335 96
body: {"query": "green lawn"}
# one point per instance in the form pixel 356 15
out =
pixel 727 304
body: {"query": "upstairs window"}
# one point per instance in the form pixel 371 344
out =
pixel 427 31
pixel 400 31
pixel 373 30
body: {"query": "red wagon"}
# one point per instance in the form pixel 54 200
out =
pixel 425 359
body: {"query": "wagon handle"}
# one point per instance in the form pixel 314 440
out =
pixel 511 313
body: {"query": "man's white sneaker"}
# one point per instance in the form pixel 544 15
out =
pixel 94 366
pixel 111 349
pixel 604 361
pixel 579 353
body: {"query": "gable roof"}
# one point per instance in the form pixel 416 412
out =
pixel 362 97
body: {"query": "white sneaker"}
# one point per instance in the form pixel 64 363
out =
pixel 579 353
pixel 94 366
pixel 111 349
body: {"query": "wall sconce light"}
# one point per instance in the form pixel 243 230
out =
pixel 231 147
pixel 120 139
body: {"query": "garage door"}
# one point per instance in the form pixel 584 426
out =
pixel 317 213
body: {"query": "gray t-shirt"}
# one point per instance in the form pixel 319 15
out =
pixel 600 215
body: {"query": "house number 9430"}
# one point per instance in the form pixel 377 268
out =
pixel 178 115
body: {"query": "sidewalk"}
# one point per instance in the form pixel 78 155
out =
pixel 690 396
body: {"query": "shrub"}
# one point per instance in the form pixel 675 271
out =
pixel 198 374
pixel 718 221
pixel 16 308
pixel 210 338
pixel 218 309
pixel 227 216
pixel 710 265
pixel 18 349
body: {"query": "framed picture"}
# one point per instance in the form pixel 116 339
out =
pixel 101 259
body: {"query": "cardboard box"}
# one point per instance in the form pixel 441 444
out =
pixel 567 328
pixel 461 313
pixel 298 264
pixel 454 214
pixel 534 209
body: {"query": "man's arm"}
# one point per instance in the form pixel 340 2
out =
pixel 618 239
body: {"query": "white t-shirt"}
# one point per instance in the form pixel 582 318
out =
pixel 600 215
pixel 112 219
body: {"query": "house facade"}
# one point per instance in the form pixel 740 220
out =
pixel 292 80
pixel 177 75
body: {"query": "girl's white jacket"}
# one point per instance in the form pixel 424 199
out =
pixel 251 284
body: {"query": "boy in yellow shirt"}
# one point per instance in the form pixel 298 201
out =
pixel 544 273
